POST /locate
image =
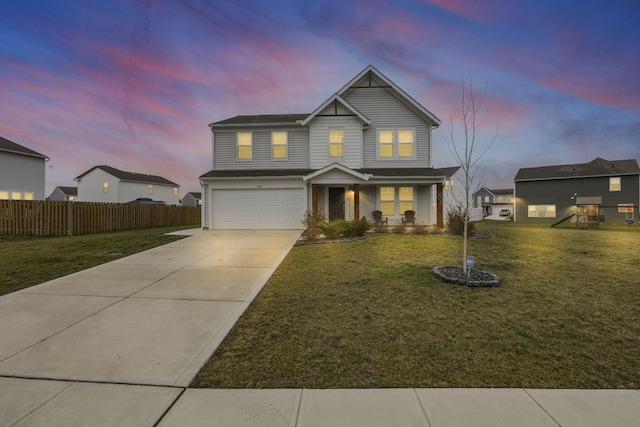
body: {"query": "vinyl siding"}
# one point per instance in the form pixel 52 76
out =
pixel 90 187
pixel 319 141
pixel 423 205
pixel 388 112
pixel 224 150
pixel 22 174
pixel 559 192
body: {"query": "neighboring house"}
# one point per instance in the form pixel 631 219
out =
pixel 454 195
pixel 192 199
pixel 108 184
pixel 366 148
pixel 493 201
pixel 64 194
pixel 610 189
pixel 21 172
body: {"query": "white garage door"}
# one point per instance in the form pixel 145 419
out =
pixel 281 208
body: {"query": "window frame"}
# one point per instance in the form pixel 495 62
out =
pixel 285 145
pixel 536 210
pixel 150 189
pixel 336 143
pixel 615 187
pixel 625 208
pixel 397 199
pixel 250 145
pixel 396 144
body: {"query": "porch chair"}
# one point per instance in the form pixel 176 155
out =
pixel 409 218
pixel 379 219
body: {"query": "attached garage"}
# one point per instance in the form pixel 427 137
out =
pixel 258 208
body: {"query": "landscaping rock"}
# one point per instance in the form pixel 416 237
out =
pixel 476 278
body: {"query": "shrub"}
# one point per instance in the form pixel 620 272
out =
pixel 356 228
pixel 311 221
pixel 334 229
pixel 455 222
pixel 399 229
pixel 420 229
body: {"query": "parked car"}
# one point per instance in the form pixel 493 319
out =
pixel 505 212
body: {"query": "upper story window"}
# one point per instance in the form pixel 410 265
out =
pixel 105 187
pixel 175 191
pixel 336 143
pixel 279 145
pixel 244 146
pixel 615 183
pixel 448 185
pixel 150 189
pixel 486 199
pixel 478 201
pixel 396 143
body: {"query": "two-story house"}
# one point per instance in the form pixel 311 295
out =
pixel 192 198
pixel 21 172
pixel 108 184
pixel 607 189
pixel 366 148
pixel 494 201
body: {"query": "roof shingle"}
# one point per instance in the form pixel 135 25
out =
pixel 596 167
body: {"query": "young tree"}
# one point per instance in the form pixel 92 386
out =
pixel 468 146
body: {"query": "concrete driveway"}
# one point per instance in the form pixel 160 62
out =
pixel 153 318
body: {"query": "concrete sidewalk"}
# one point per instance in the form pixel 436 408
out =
pixel 118 345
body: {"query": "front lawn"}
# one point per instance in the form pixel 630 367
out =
pixel 30 260
pixel 369 314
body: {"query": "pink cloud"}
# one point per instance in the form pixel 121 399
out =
pixel 480 11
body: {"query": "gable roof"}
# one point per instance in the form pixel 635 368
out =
pixel 367 76
pixel 195 195
pixel 498 191
pixel 337 166
pixel 337 99
pixel 12 147
pixel 596 167
pixel 130 176
pixel 68 191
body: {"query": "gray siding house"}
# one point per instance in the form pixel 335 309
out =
pixel 366 148
pixel 192 199
pixel 493 201
pixel 608 188
pixel 21 172
pixel 108 184
pixel 64 194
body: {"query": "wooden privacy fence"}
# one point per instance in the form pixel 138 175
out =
pixel 53 218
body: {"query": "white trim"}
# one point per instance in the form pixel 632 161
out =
pixel 344 103
pixel 337 166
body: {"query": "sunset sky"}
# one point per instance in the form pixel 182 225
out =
pixel 133 84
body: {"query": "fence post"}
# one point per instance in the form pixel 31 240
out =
pixel 69 218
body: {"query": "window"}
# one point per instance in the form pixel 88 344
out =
pixel 16 195
pixel 336 143
pixel 28 196
pixel 388 200
pixel 448 185
pixel 244 148
pixel 542 211
pixel 486 199
pixel 150 189
pixel 278 145
pixel 105 187
pixel 402 197
pixel 625 208
pixel 405 143
pixel 396 143
pixel 615 183
pixel 175 191
pixel 478 201
pixel 4 195
pixel 405 199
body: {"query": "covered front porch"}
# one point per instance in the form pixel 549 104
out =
pixel 343 193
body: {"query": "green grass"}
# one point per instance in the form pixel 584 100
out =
pixel 30 260
pixel 369 314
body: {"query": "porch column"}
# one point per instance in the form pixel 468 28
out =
pixel 439 207
pixel 314 198
pixel 356 201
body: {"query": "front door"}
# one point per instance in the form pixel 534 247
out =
pixel 336 203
